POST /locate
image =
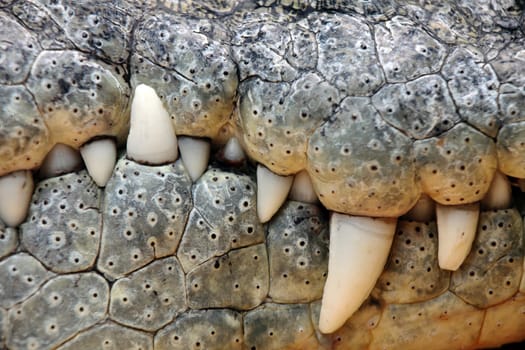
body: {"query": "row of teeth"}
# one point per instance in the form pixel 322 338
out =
pixel 359 246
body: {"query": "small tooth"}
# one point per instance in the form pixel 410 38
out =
pixel 521 184
pixel 16 190
pixel 359 248
pixel 233 152
pixel 195 154
pixel 522 284
pixel 62 159
pixel 100 157
pixel 272 190
pixel 499 195
pixel 423 211
pixel 302 188
pixel 456 231
pixel 151 138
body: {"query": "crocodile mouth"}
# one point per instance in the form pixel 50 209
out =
pixel 252 180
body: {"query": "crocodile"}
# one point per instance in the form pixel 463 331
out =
pixel 267 174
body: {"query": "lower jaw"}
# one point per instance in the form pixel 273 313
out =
pixel 256 286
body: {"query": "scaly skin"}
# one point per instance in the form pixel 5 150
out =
pixel 380 102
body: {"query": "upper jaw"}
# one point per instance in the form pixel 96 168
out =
pixel 359 245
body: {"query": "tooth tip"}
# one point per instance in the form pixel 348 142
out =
pixel 151 138
pixel 100 157
pixel 328 323
pixel 272 190
pixel 16 190
pixel 195 154
pixel 233 152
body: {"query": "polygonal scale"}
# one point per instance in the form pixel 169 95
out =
pixel 457 166
pixel 492 271
pixel 275 326
pixel 412 273
pixel 207 329
pixel 79 96
pixel 21 276
pixel 150 297
pixel 145 212
pixel 8 240
pixel 277 119
pixel 407 52
pixel 360 165
pixel 64 223
pixel 421 108
pixel 223 218
pixel 63 307
pixel 474 87
pixel 298 253
pixel 236 280
pixel 110 336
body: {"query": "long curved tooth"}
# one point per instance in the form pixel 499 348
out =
pixel 100 157
pixel 302 188
pixel 272 190
pixel 456 231
pixel 233 152
pixel 423 211
pixel 151 138
pixel 195 154
pixel 499 195
pixel 62 159
pixel 16 190
pixel 359 248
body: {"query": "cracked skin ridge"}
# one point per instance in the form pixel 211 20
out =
pixel 397 89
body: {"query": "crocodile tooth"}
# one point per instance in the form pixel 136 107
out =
pixel 151 138
pixel 16 190
pixel 195 154
pixel 521 184
pixel 499 195
pixel 456 231
pixel 100 157
pixel 359 248
pixel 62 159
pixel 233 152
pixel 423 211
pixel 302 188
pixel 272 190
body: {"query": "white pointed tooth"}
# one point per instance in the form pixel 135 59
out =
pixel 195 154
pixel 499 195
pixel 423 211
pixel 233 151
pixel 62 159
pixel 456 231
pixel 100 157
pixel 151 138
pixel 302 188
pixel 16 190
pixel 272 190
pixel 359 248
